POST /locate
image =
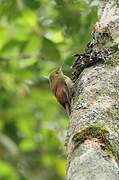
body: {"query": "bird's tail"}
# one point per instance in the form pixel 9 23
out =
pixel 68 108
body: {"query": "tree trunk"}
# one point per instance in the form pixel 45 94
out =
pixel 93 135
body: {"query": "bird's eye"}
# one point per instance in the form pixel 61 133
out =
pixel 57 72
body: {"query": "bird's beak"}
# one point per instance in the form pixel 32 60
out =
pixel 60 68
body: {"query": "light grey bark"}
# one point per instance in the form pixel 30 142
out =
pixel 93 135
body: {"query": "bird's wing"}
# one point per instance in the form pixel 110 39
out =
pixel 62 93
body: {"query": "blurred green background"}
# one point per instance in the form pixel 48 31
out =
pixel 37 36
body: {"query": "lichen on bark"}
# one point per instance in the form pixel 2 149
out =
pixel 93 135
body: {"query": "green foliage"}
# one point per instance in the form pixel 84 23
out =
pixel 36 36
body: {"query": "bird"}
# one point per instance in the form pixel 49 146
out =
pixel 62 87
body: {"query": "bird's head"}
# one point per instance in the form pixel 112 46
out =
pixel 56 74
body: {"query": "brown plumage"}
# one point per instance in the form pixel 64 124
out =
pixel 61 86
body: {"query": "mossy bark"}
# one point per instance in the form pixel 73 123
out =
pixel 93 135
